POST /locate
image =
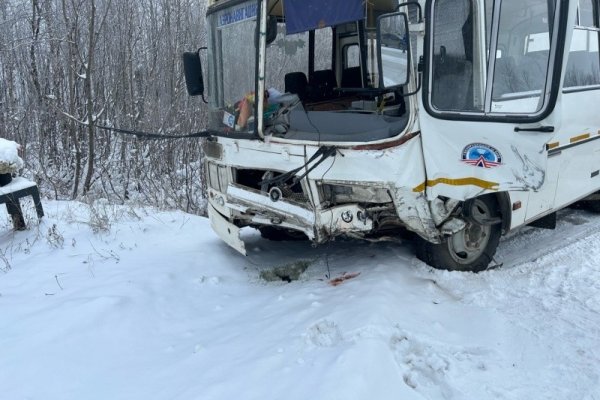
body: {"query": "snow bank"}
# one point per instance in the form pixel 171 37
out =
pixel 109 302
pixel 9 157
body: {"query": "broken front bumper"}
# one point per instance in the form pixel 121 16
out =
pixel 251 207
pixel 227 231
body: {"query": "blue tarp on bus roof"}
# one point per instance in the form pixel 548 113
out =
pixel 305 15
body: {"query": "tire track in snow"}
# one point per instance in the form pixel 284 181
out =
pixel 529 244
pixel 548 292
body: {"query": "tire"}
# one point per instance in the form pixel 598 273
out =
pixel 281 234
pixel 471 249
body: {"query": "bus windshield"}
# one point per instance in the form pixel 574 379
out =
pixel 320 84
pixel 232 66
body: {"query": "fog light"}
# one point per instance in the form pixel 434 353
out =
pixel 347 216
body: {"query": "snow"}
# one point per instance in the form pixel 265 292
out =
pixel 9 156
pixel 16 184
pixel 113 302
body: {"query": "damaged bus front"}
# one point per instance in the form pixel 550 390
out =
pixel 314 132
pixel 351 118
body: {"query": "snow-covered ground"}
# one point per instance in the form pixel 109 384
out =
pixel 118 303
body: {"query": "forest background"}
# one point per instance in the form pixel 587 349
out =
pixel 67 66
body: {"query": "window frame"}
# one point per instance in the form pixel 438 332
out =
pixel 595 28
pixel 553 81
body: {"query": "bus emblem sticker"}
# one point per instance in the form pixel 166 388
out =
pixel 481 155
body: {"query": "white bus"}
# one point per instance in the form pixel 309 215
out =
pixel 455 120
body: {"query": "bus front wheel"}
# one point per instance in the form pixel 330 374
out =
pixel 471 249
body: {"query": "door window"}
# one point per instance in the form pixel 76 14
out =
pixel 522 72
pixel 583 66
pixel 464 79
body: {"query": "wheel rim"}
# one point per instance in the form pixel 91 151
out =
pixel 469 244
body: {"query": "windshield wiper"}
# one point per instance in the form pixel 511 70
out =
pixel 324 152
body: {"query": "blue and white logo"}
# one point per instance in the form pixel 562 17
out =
pixel 481 155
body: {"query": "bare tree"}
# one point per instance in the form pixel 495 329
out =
pixel 68 66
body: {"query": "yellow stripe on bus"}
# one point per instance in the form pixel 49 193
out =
pixel 457 182
pixel 580 138
pixel 553 145
pixel 420 188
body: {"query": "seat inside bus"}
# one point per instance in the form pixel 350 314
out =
pixel 351 78
pixel 297 83
pixel 321 86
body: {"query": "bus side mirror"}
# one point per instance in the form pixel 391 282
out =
pixel 393 50
pixel 192 68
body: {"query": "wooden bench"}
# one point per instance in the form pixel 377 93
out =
pixel 13 192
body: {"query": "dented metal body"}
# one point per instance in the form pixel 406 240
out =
pixel 344 195
pixel 419 178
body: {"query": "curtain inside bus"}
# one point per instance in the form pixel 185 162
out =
pixel 306 15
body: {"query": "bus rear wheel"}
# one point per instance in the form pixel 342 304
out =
pixel 471 249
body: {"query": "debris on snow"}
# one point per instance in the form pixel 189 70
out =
pixel 341 279
pixel 286 273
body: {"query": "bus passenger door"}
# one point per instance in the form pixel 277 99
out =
pixel 489 92
pixel 577 147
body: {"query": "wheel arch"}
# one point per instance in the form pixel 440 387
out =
pixel 505 208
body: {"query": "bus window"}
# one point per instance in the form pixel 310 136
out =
pixel 463 37
pixel 288 54
pixel 586 13
pixel 521 73
pixel 323 46
pixel 583 67
pixel 351 72
pixel 351 55
pixel 455 63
